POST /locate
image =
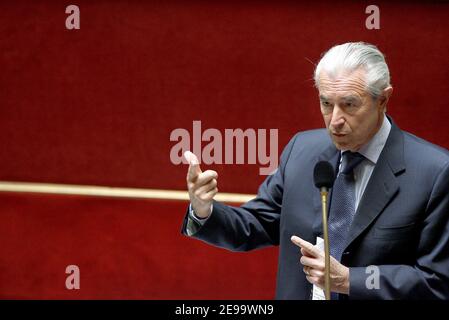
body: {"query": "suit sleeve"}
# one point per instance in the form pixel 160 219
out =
pixel 253 225
pixel 429 277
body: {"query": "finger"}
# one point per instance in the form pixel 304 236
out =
pixel 203 190
pixel 316 273
pixel 204 181
pixel 311 263
pixel 314 280
pixel 210 186
pixel 206 195
pixel 310 272
pixel 205 177
pixel 306 253
pixel 310 248
pixel 211 194
pixel 194 166
pixel 306 270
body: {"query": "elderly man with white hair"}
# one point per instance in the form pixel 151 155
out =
pixel 389 205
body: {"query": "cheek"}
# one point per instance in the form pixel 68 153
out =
pixel 356 127
pixel 351 125
pixel 327 120
pixel 365 125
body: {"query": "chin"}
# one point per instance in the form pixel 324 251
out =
pixel 340 144
pixel 344 146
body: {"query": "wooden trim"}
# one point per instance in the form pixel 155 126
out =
pixel 103 191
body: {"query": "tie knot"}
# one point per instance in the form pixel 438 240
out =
pixel 350 161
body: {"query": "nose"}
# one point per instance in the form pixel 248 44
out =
pixel 337 120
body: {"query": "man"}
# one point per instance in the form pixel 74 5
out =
pixel 389 206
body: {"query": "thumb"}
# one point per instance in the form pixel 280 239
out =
pixel 194 166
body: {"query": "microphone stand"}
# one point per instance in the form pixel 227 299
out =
pixel 324 176
pixel 327 291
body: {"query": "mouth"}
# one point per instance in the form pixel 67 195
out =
pixel 338 135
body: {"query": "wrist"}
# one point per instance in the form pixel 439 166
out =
pixel 202 214
pixel 344 288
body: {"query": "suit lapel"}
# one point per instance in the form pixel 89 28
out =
pixel 382 186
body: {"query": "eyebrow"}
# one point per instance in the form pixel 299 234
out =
pixel 347 98
pixel 351 98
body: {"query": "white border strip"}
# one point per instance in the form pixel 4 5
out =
pixel 102 191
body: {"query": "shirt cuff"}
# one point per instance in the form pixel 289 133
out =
pixel 194 223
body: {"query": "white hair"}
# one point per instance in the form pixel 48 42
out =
pixel 351 56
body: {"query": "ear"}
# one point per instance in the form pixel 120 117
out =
pixel 383 99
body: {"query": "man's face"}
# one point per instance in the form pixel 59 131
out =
pixel 351 115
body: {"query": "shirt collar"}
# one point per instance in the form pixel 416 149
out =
pixel 374 147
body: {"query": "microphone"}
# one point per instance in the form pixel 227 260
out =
pixel 324 177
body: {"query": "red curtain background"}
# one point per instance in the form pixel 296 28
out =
pixel 96 106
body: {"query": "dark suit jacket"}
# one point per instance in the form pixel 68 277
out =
pixel 401 224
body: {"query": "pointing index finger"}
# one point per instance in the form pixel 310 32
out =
pixel 310 248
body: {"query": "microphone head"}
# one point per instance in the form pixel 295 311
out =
pixel 323 175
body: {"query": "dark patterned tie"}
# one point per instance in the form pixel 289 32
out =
pixel 342 208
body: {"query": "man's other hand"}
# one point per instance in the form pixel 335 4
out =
pixel 313 261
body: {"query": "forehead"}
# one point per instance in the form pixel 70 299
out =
pixel 342 84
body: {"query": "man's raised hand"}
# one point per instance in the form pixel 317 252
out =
pixel 202 186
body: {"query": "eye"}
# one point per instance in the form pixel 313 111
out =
pixel 348 104
pixel 325 103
